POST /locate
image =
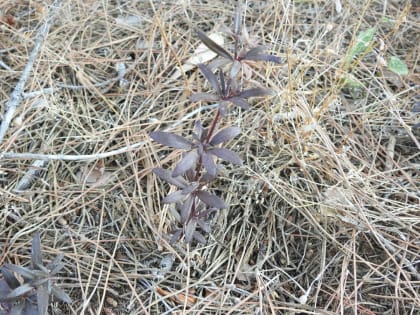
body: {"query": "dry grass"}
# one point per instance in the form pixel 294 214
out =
pixel 326 205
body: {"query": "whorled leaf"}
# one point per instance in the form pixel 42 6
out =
pixel 204 97
pixel 166 175
pixel 171 140
pixel 24 272
pixel 203 225
pixel 190 188
pixel 10 278
pixel 42 298
pixel 211 200
pixel 199 237
pixel 257 54
pixel 211 77
pixel 239 101
pixel 226 155
pixel 209 164
pixel 189 231
pixel 237 21
pixel 186 209
pixel 174 197
pixel 225 134
pixel 176 236
pixel 36 253
pixel 19 292
pixel 61 295
pixel 213 45
pixel 256 92
pixel 187 162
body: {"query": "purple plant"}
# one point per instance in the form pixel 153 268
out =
pixel 198 166
pixel 33 295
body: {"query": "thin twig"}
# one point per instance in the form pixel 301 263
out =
pixel 94 156
pixel 17 94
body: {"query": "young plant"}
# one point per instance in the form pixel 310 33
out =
pixel 32 296
pixel 198 167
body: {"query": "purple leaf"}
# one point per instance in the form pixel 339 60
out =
pixel 189 230
pixel 186 210
pixel 210 76
pixel 222 82
pixel 203 225
pixel 257 54
pixel 237 21
pixel 211 200
pixel 24 272
pixel 226 155
pixel 61 295
pixel 36 253
pixel 241 102
pixel 263 57
pixel 225 135
pixel 213 45
pixel 199 237
pixel 166 175
pixel 174 197
pixel 10 278
pixel 42 297
pixel 234 70
pixel 186 163
pixel 19 291
pixel 176 236
pixel 190 188
pixel 208 163
pixel 171 140
pixel 256 92
pixel 205 97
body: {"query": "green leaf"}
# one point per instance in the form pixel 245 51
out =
pixel 361 45
pixel 398 66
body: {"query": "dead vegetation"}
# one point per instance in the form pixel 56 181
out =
pixel 324 214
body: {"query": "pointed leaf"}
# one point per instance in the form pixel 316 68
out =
pixel 211 200
pixel 225 135
pixel 205 97
pixel 186 210
pixel 256 92
pixel 175 238
pixel 190 188
pixel 226 155
pixel 30 308
pixel 199 237
pixel 166 175
pixel 208 163
pixel 25 272
pixel 171 140
pixel 19 291
pixel 237 21
pixel 213 45
pixel 10 278
pixel 210 76
pixel 56 265
pixel 241 102
pixel 174 197
pixel 186 163
pixel 234 70
pixel 36 253
pixel 257 54
pixel 189 231
pixel 203 225
pixel 18 308
pixel 263 57
pixel 61 295
pixel 42 297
